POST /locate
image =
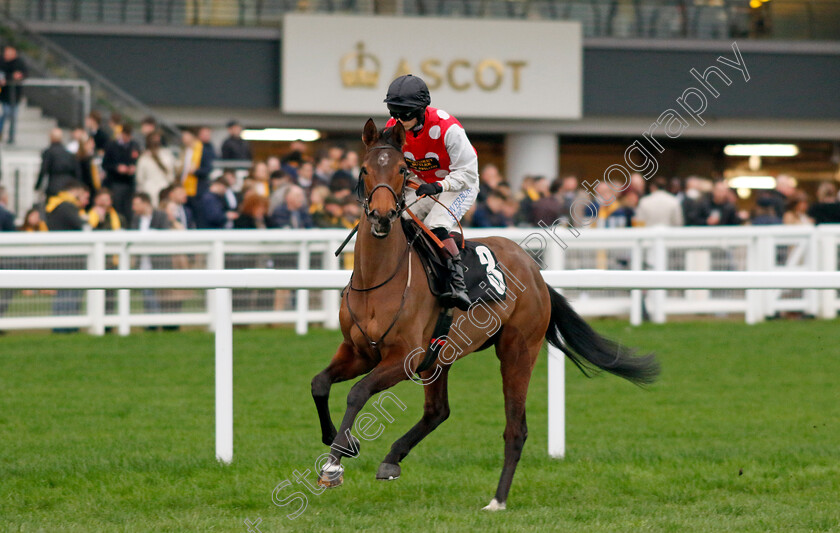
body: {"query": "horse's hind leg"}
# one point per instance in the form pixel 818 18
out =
pixel 344 365
pixel 435 411
pixel 517 361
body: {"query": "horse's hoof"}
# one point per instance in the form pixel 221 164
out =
pixel 388 472
pixel 494 506
pixel 331 476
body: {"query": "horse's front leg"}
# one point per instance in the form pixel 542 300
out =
pixel 388 373
pixel 435 411
pixel 345 364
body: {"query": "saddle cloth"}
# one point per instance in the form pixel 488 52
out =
pixel 482 276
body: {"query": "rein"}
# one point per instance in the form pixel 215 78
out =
pixel 375 344
pixel 399 199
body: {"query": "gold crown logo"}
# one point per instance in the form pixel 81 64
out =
pixel 360 76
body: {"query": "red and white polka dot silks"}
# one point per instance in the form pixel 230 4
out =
pixel 426 153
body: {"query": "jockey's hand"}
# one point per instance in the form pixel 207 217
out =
pixel 429 189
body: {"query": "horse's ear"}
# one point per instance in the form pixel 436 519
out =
pixel 399 134
pixel 370 134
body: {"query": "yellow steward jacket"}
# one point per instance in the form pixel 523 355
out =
pixel 188 178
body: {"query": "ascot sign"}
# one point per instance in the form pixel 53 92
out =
pixel 360 69
pixel 508 69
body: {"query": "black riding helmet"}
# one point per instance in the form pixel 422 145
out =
pixel 408 96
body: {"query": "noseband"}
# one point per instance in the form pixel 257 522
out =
pixel 399 199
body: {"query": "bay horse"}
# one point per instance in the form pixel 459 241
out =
pixel 385 315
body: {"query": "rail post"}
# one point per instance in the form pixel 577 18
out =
pixel 224 375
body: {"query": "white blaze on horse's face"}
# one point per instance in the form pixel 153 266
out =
pixel 384 159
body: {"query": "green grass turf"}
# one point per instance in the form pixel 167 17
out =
pixel 742 433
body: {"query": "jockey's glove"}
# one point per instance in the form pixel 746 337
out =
pixel 429 189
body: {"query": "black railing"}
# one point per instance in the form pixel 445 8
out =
pixel 701 19
pixel 45 58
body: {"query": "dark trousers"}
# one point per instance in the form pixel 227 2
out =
pixel 121 193
pixel 9 113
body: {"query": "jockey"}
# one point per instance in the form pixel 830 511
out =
pixel 444 164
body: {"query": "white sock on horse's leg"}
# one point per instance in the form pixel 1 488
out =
pixel 494 506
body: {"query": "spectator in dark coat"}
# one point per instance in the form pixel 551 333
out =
pixel 183 213
pixel 208 155
pixel 93 123
pixel 332 215
pixel 785 188
pixel 307 179
pixel 7 218
pixel 145 216
pixel 534 189
pixel 291 162
pixel 214 213
pixel 694 204
pixel 120 165
pixel 827 208
pixel 765 212
pixel 293 213
pixel 491 213
pixel 622 217
pixel 343 181
pixel 253 213
pixel 89 171
pixel 235 147
pixel 64 214
pixel 58 166
pixel 14 71
pixel 102 215
pixel 548 209
pixel 721 211
pixel 64 209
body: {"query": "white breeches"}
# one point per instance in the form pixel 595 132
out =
pixel 434 215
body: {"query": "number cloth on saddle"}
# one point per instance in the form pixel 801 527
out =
pixel 483 275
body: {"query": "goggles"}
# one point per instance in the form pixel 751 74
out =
pixel 403 114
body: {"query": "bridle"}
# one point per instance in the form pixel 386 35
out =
pixel 399 199
pixel 401 206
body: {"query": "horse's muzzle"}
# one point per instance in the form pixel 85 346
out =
pixel 380 226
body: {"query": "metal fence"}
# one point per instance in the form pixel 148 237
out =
pixel 768 249
pixel 700 19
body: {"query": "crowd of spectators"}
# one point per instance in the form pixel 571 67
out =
pixel 693 201
pixel 104 170
pixel 95 179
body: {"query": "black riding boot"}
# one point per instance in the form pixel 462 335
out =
pixel 456 296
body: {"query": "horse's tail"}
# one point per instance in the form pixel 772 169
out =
pixel 591 352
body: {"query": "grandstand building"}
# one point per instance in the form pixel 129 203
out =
pixel 544 87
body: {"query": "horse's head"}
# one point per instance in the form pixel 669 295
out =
pixel 383 177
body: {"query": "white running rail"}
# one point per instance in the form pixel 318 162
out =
pixel 793 249
pixel 222 281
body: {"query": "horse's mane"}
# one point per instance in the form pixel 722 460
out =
pixel 386 136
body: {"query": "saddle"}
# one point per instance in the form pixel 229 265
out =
pixel 482 278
